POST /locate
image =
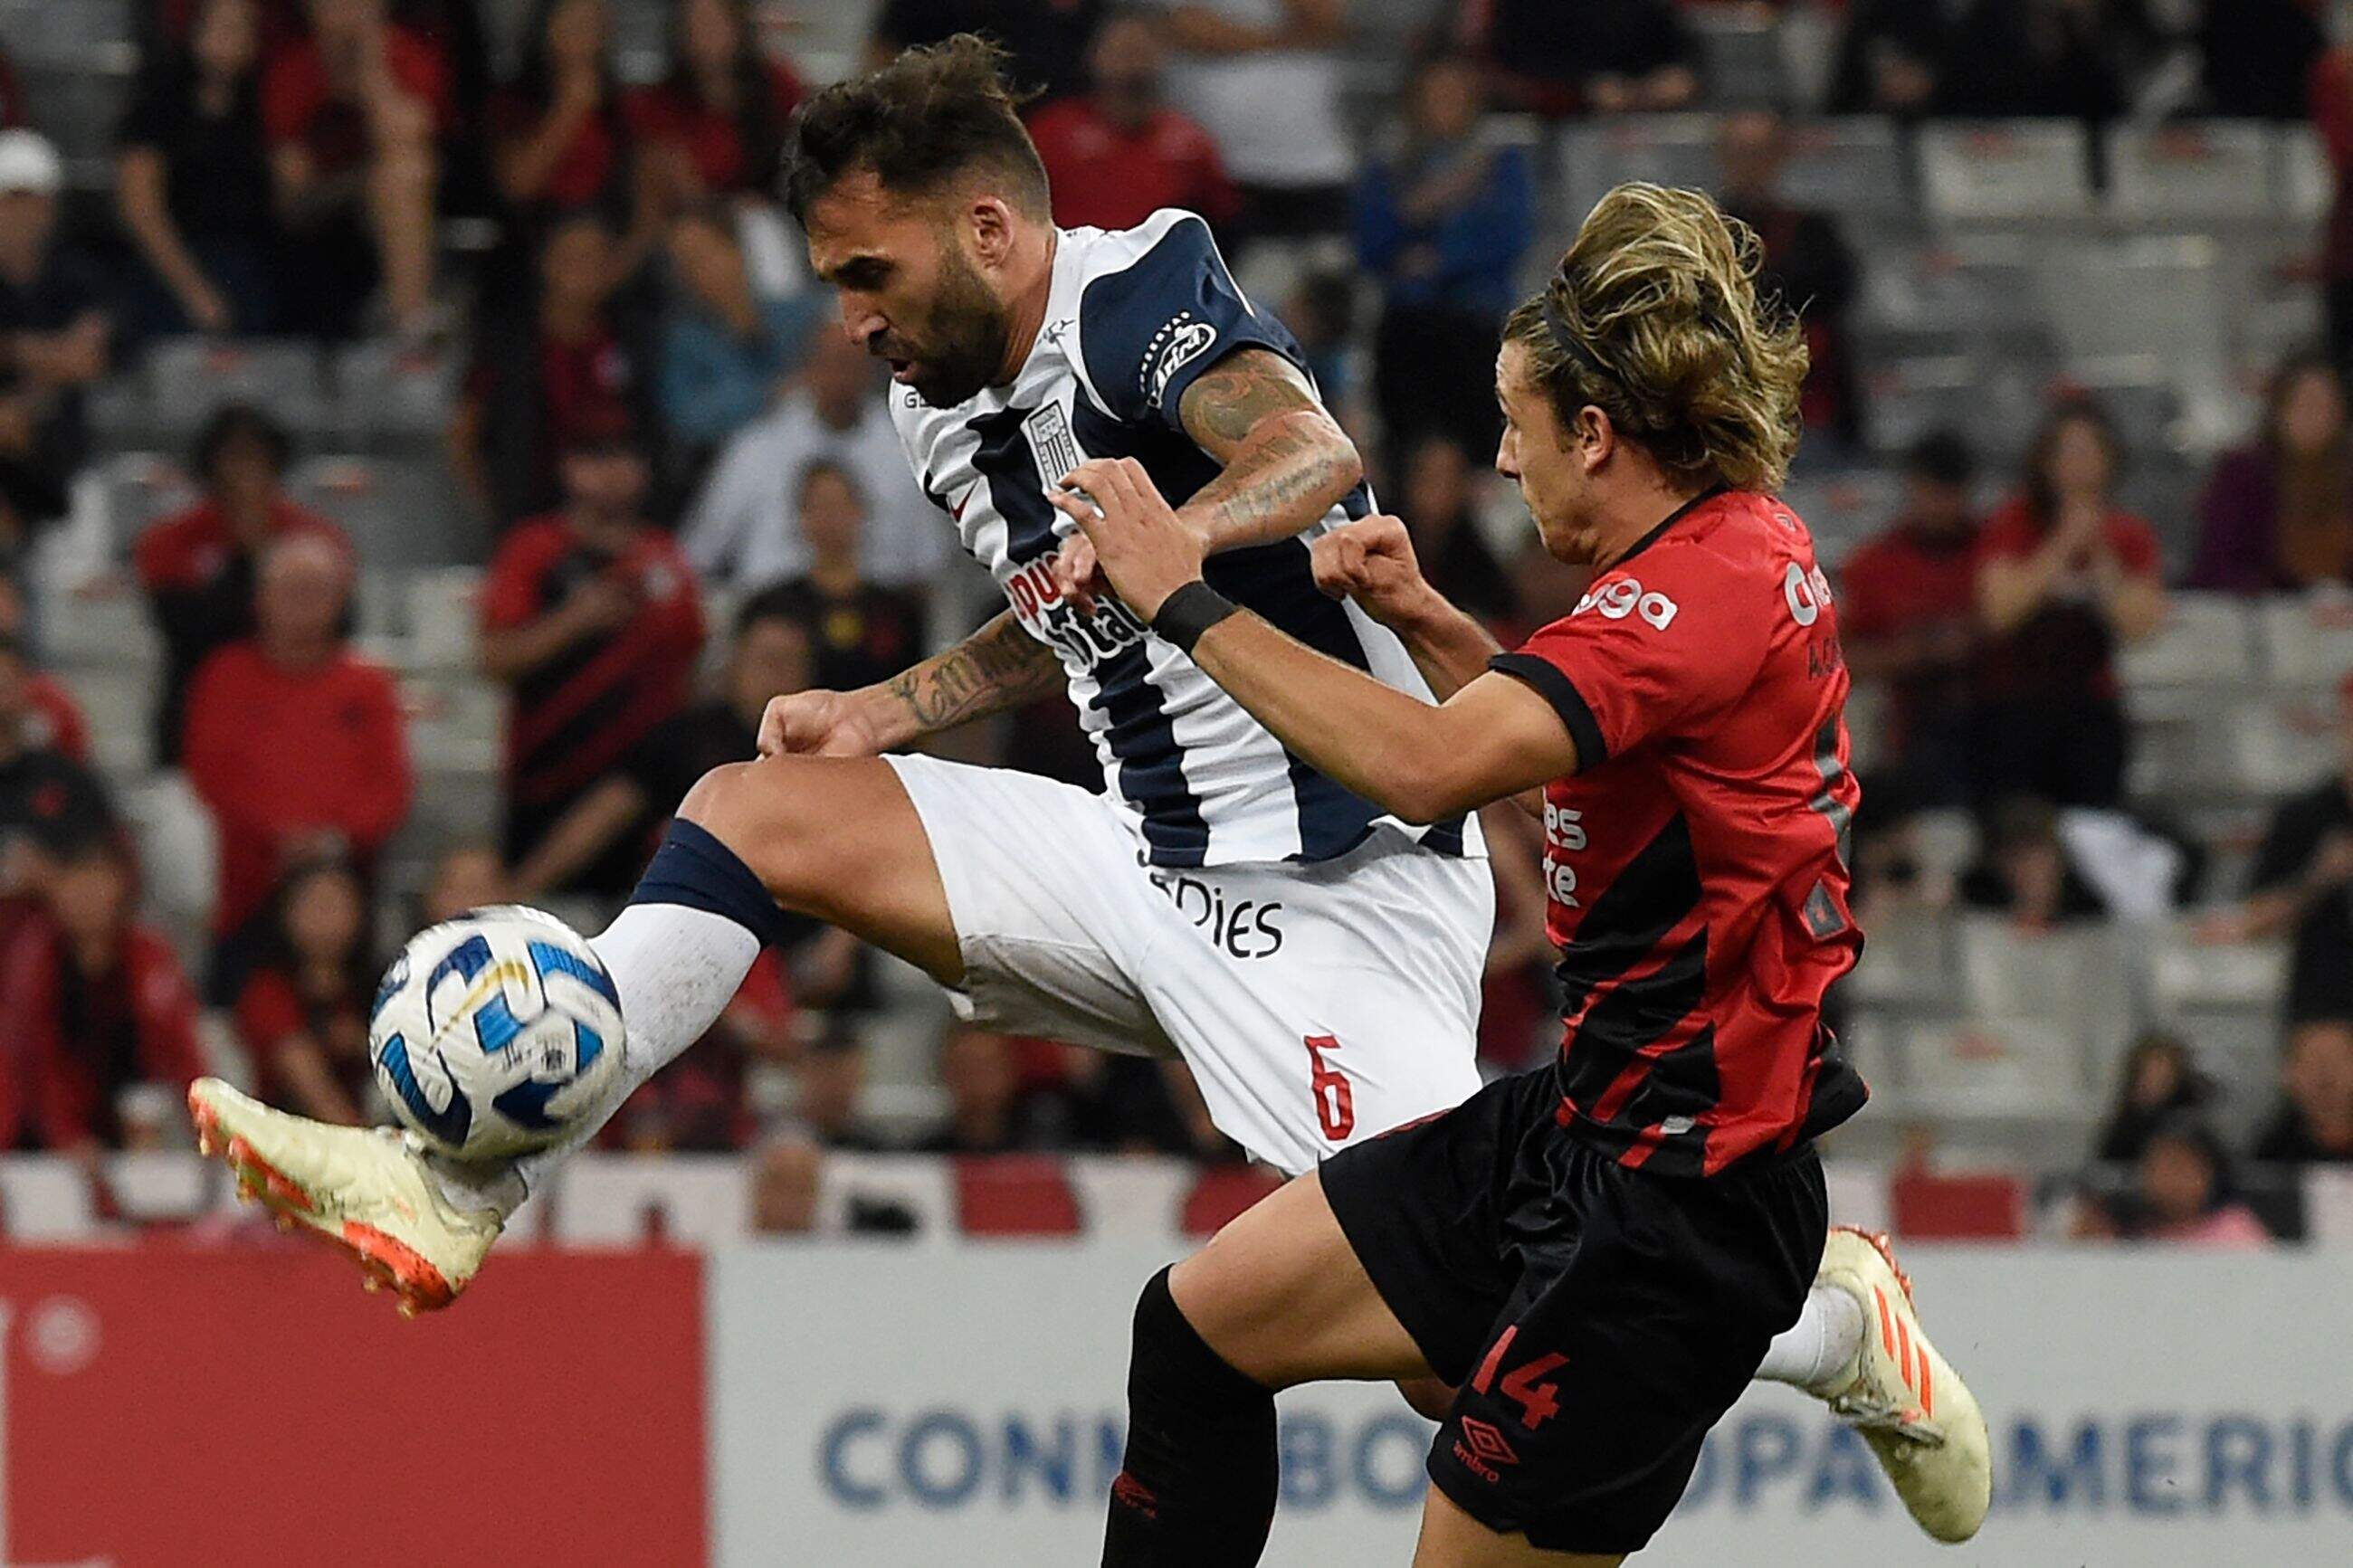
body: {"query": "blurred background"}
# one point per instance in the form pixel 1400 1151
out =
pixel 423 451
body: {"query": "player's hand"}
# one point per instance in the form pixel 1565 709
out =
pixel 819 724
pixel 1079 574
pixel 1142 545
pixel 1372 561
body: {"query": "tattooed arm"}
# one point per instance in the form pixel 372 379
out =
pixel 999 668
pixel 1286 461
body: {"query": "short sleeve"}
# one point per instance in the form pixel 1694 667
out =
pixel 1151 329
pixel 1677 633
pixel 510 588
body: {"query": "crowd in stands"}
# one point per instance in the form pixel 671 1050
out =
pixel 686 486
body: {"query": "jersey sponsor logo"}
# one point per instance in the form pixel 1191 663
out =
pixel 1051 443
pixel 1564 834
pixel 1083 639
pixel 1172 348
pixel 1614 601
pixel 1246 929
pixel 1807 592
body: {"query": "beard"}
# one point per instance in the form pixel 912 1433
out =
pixel 964 342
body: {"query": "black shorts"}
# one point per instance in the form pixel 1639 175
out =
pixel 1595 1321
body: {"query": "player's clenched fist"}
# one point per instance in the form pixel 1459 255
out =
pixel 818 724
pixel 1372 561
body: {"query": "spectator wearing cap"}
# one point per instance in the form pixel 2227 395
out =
pixel 294 742
pixel 591 619
pixel 865 632
pixel 54 332
pixel 745 527
pixel 1909 616
pixel 193 182
pixel 1442 218
pixel 2301 886
pixel 717 123
pixel 1807 263
pixel 94 1006
pixel 2276 515
pixel 50 802
pixel 568 369
pixel 197 568
pixel 301 1010
pixel 1264 78
pixel 724 347
pixel 2064 576
pixel 353 107
pixel 1602 57
pixel 1117 153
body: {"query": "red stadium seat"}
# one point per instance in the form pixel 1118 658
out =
pixel 1987 1206
pixel 1223 1192
pixel 1015 1194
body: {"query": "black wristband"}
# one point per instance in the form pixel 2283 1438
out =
pixel 1190 611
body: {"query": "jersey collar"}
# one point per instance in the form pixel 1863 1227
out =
pixel 1673 518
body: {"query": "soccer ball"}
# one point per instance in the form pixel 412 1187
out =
pixel 493 1034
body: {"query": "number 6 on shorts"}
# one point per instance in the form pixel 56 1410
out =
pixel 1335 1098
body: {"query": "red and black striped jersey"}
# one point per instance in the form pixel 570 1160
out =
pixel 1696 863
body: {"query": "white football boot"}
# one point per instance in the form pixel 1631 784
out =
pixel 1906 1399
pixel 364 1189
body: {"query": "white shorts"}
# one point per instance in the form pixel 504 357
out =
pixel 1316 1005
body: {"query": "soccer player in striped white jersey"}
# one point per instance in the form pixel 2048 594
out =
pixel 1315 960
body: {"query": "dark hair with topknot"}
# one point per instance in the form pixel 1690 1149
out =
pixel 932 116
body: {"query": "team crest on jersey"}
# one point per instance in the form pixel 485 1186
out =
pixel 1172 348
pixel 1050 440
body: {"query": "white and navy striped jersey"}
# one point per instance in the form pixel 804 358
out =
pixel 1133 317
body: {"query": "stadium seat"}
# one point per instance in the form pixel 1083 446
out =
pixel 1223 1193
pixel 189 378
pixel 2307 639
pixel 43 1200
pixel 2115 301
pixel 2207 640
pixel 139 489
pixel 2303 185
pixel 2202 172
pixel 1745 69
pixel 2329 1206
pixel 1131 1195
pixel 1015 1194
pixel 1853 167
pixel 455 724
pixel 1979 1207
pixel 398 513
pixel 610 1200
pixel 383 395
pixel 2072 978
pixel 444 618
pixel 1909 960
pixel 1666 149
pixel 2189 976
pixel 157 1186
pixel 2031 1068
pixel 2005 171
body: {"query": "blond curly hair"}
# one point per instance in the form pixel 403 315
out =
pixel 1653 316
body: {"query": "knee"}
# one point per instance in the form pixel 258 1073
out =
pixel 761 812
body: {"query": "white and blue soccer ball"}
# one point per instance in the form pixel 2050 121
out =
pixel 494 1033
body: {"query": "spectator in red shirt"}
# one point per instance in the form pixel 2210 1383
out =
pixel 302 1009
pixel 2277 513
pixel 717 121
pixel 2063 576
pixel 591 616
pixel 1908 617
pixel 560 141
pixel 567 367
pixel 352 111
pixel 92 1003
pixel 1119 153
pixel 294 741
pixel 198 568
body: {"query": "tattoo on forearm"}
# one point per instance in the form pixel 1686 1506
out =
pixel 997 667
pixel 1284 459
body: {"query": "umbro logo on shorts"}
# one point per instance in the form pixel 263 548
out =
pixel 1483 1450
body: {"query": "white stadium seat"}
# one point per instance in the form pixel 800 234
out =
pixel 2208 639
pixel 2308 639
pixel 2005 171
pixel 2204 173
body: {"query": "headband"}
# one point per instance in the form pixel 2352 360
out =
pixel 1574 346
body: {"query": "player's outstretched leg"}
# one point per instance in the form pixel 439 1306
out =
pixel 834 837
pixel 1910 1406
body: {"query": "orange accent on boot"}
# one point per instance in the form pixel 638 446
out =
pixel 1887 1323
pixel 282 1187
pixel 420 1283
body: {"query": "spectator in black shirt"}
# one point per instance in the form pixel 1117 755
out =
pixel 2046 59
pixel 772 657
pixel 2258 57
pixel 2314 1123
pixel 1807 262
pixel 1454 554
pixel 191 181
pixel 2157 1081
pixel 56 330
pixel 865 634
pixel 2303 883
pixel 1598 57
pixel 1891 59
pixel 1047 38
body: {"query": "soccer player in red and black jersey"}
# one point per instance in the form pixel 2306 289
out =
pixel 1593 1258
